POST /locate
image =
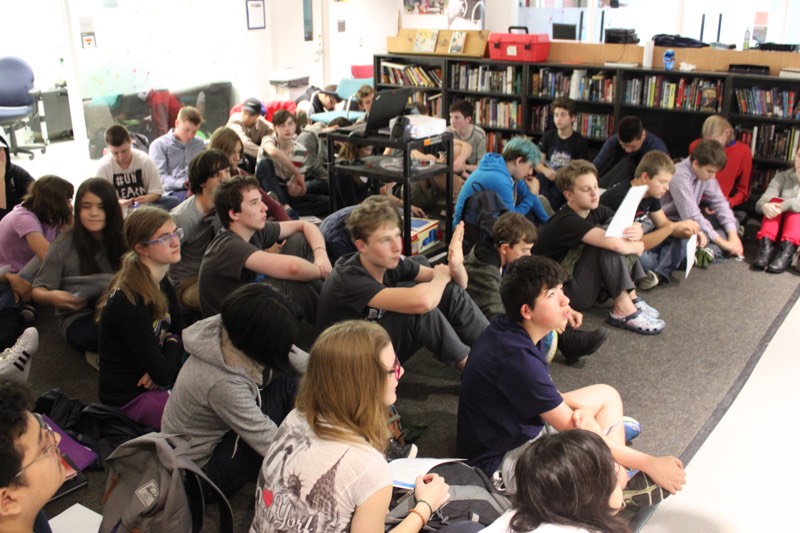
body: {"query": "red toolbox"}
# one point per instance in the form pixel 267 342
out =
pixel 532 48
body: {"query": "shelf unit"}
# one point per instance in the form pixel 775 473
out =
pixel 764 110
pixel 376 167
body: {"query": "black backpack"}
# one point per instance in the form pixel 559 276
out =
pixel 481 211
pixel 473 498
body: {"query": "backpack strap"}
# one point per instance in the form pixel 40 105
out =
pixel 195 492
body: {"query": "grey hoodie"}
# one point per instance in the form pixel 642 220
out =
pixel 212 396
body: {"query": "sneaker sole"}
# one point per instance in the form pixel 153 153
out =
pixel 642 491
pixel 619 323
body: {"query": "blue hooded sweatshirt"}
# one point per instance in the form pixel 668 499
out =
pixel 492 174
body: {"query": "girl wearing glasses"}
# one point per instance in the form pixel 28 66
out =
pixel 81 262
pixel 326 468
pixel 566 482
pixel 140 320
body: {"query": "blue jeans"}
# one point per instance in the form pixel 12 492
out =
pixel 665 258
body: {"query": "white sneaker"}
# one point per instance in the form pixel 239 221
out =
pixel 648 282
pixel 15 362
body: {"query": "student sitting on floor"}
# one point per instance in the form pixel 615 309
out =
pixel 780 205
pixel 30 463
pixel 326 469
pixel 251 127
pixel 622 152
pixel 510 175
pixel 734 178
pixel 508 398
pixel 418 305
pixel 80 263
pixel 26 233
pixel 140 319
pixel 567 482
pixel 664 240
pixel 132 173
pixel 237 254
pixel 172 152
pixel 575 238
pixel 292 172
pixel 220 400
pixel 695 182
pixel 559 146
pixel 513 236
pixel 225 139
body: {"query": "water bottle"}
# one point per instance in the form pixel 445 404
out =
pixel 669 59
pixel 746 43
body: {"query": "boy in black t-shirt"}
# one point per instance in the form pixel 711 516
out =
pixel 559 146
pixel 417 305
pixel 663 239
pixel 575 237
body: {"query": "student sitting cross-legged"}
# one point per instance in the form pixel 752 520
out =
pixel 695 181
pixel 221 399
pixel 237 254
pixel 664 239
pixel 508 398
pixel 575 238
pixel 418 305
pixel 513 236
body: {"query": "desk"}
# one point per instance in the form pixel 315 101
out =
pixel 371 167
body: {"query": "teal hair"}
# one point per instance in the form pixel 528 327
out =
pixel 524 148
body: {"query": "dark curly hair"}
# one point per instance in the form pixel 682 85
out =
pixel 14 403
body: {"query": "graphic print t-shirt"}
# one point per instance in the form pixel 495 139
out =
pixel 140 178
pixel 310 484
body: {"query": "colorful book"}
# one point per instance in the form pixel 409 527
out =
pixel 457 41
pixel 426 41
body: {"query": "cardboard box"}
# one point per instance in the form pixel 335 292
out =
pixel 532 48
pixel 424 234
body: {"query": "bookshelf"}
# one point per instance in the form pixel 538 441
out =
pixel 513 98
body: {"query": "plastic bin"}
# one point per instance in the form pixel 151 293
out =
pixel 532 48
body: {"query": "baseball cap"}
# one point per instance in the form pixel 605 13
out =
pixel 330 90
pixel 253 105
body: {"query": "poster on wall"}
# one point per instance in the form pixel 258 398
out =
pixel 256 18
pixel 448 14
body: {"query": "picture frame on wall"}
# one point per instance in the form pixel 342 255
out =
pixel 256 16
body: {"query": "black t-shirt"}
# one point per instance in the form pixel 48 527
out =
pixel 613 198
pixel 561 151
pixel 349 288
pixel 565 230
pixel 222 270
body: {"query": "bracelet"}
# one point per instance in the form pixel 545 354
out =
pixel 427 505
pixel 419 515
pixel 319 248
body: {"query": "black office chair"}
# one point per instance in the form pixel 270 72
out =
pixel 18 100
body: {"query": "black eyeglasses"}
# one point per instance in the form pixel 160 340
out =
pixel 397 369
pixel 166 240
pixel 49 447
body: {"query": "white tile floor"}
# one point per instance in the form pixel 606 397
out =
pixel 741 478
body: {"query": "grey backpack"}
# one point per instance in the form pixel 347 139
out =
pixel 152 485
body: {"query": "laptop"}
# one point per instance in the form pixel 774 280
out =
pixel 385 106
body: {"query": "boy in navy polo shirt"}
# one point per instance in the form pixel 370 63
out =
pixel 507 394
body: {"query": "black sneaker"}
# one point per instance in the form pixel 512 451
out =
pixel 396 450
pixel 576 343
pixel 642 491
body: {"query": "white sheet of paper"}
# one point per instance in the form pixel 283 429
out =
pixel 405 471
pixel 76 518
pixel 627 210
pixel 691 248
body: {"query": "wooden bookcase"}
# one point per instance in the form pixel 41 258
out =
pixel 512 98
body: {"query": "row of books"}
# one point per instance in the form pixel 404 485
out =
pixel 495 113
pixel 760 178
pixel 432 101
pixel 546 83
pixel 597 87
pixel 767 102
pixel 771 141
pixel 416 75
pixel 664 92
pixel 484 78
pixel 495 141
